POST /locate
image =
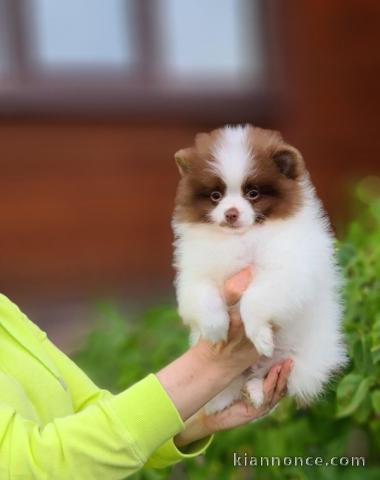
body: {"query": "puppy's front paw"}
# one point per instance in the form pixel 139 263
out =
pixel 262 338
pixel 255 390
pixel 257 328
pixel 214 326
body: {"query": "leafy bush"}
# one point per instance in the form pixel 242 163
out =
pixel 345 422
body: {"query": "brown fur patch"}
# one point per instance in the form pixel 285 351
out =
pixel 193 201
pixel 280 192
pixel 276 170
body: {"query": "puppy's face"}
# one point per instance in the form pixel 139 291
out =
pixel 235 177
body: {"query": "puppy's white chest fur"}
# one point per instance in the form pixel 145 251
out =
pixel 213 254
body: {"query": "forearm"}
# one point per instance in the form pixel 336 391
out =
pixel 195 378
pixel 85 393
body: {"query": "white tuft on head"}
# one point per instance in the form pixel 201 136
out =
pixel 233 156
pixel 233 160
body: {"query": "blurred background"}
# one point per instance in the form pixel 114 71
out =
pixel 95 98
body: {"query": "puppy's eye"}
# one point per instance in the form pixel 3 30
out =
pixel 253 194
pixel 215 196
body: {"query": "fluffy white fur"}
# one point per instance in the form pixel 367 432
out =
pixel 295 282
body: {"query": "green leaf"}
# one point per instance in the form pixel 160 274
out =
pixel 363 412
pixel 375 431
pixel 375 398
pixel 362 354
pixel 375 338
pixel 351 392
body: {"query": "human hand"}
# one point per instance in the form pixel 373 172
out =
pixel 201 425
pixel 237 353
pixel 206 369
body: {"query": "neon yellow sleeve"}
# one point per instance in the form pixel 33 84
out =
pixel 112 438
pixel 85 393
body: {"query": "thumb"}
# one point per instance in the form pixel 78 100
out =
pixel 235 286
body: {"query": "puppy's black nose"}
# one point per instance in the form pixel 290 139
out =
pixel 231 215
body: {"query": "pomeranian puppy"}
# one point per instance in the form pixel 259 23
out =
pixel 245 199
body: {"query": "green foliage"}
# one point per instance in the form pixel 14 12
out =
pixel 345 422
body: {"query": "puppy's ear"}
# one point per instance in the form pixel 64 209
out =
pixel 182 159
pixel 289 161
pixel 202 142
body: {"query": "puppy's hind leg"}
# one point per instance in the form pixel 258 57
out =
pixel 226 397
pixel 255 383
pixel 255 390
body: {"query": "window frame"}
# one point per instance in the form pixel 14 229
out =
pixel 134 94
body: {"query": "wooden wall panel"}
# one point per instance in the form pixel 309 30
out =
pixel 85 206
pixel 333 66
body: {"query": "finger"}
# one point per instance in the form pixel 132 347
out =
pixel 270 383
pixel 235 319
pixel 282 381
pixel 236 329
pixel 235 286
